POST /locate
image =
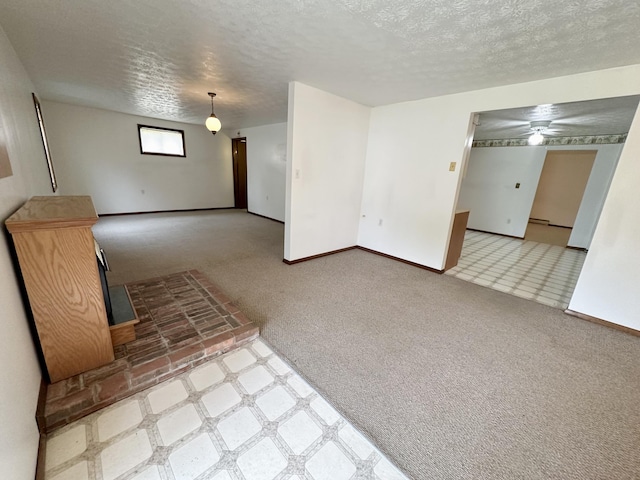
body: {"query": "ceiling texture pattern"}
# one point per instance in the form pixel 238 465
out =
pixel 159 58
pixel 608 116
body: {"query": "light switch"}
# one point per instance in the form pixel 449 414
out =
pixel 518 185
pixel 452 167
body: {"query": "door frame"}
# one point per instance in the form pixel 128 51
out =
pixel 239 158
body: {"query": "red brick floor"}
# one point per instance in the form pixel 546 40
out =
pixel 185 320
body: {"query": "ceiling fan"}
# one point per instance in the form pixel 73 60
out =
pixel 538 127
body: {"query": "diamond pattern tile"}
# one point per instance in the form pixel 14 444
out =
pixel 330 464
pixel 255 379
pixel 539 272
pixel 239 360
pixel 125 454
pixel 68 444
pixel 79 471
pixel 299 432
pixel 118 420
pixel 151 473
pixel 278 365
pixel 221 399
pixel 386 471
pixel 178 424
pixel 262 349
pixel 203 424
pixel 275 402
pixel 238 428
pixel 356 442
pixel 206 376
pixel 262 462
pixel 167 396
pixel 194 458
pixel 300 386
pixel 326 411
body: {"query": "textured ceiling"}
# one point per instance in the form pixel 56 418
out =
pixel 159 58
pixel 595 117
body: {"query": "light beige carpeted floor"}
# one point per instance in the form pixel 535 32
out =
pixel 452 380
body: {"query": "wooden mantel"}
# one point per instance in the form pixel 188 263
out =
pixel 55 247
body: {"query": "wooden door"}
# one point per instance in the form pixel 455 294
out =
pixel 561 187
pixel 239 148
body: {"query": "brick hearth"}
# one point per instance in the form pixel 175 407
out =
pixel 185 320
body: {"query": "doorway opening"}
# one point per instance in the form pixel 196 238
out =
pixel 522 196
pixel 239 150
pixel 560 191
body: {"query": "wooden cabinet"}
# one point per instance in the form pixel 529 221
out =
pixel 55 248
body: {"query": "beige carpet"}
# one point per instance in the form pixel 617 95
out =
pixel 450 379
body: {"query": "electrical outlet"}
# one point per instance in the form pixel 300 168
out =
pixel 452 167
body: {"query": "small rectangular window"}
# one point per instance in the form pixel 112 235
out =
pixel 161 141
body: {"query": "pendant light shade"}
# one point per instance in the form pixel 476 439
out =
pixel 212 123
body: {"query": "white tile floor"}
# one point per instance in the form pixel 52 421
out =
pixel 243 416
pixel 536 271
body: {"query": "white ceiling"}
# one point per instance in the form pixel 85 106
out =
pixel 159 58
pixel 595 117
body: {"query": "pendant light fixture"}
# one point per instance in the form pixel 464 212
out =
pixel 212 123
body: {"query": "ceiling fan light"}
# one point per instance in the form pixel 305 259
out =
pixel 536 139
pixel 213 124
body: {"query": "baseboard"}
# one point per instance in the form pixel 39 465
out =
pixel 580 249
pixel 42 453
pixel 313 257
pixel 397 259
pixel 494 233
pixel 263 216
pixel 42 400
pixel 605 323
pixel 42 443
pixel 165 211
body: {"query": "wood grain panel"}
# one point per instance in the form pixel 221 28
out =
pixel 53 212
pixel 457 238
pixel 61 276
pixel 123 333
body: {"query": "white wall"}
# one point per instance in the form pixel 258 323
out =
pixel 408 184
pixel 326 151
pixel 488 189
pixel 595 192
pixel 96 152
pixel 608 285
pixel 409 192
pixel 266 169
pixel 19 370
